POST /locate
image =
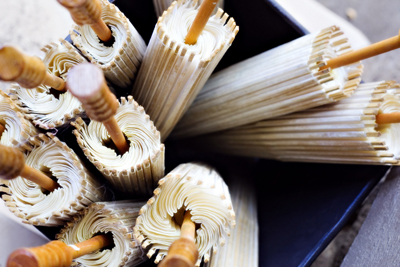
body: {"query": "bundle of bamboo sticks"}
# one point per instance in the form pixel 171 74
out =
pixel 351 131
pixel 193 188
pixel 14 128
pixel 136 171
pixel 116 218
pixel 120 59
pixel 242 248
pixel 42 107
pixel 77 187
pixel 161 5
pixel 173 72
pixel 283 80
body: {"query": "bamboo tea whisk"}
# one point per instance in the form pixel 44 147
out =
pixel 28 71
pixel 200 21
pixel 86 82
pixel 183 252
pixel 12 165
pixel 88 12
pixel 57 253
pixel 364 53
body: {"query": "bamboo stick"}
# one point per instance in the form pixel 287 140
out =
pixel 13 165
pixel 88 12
pixel 200 21
pixel 364 53
pixel 28 71
pixel 86 82
pixel 183 252
pixel 57 253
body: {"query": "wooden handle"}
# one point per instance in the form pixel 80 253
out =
pixel 393 117
pixel 183 252
pixel 56 253
pixel 12 165
pixel 2 129
pixel 200 21
pixel 86 82
pixel 364 53
pixel 28 71
pixel 88 12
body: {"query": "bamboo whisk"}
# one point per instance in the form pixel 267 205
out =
pixel 88 12
pixel 200 21
pixel 12 165
pixel 57 253
pixel 86 82
pixel 2 128
pixel 28 71
pixel 364 53
pixel 183 252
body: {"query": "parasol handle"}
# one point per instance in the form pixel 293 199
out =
pixel 393 117
pixel 28 71
pixel 200 21
pixel 56 253
pixel 86 82
pixel 88 12
pixel 2 129
pixel 12 165
pixel 364 53
pixel 183 252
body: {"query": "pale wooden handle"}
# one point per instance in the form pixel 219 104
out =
pixel 200 21
pixel 88 12
pixel 12 165
pixel 364 53
pixel 183 252
pixel 86 82
pixel 56 253
pixel 393 117
pixel 28 71
pixel 53 254
pixel 12 162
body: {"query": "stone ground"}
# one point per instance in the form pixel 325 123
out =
pixel 32 24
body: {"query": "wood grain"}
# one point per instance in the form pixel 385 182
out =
pixel 183 252
pixel 28 71
pixel 86 82
pixel 57 253
pixel 88 12
pixel 12 165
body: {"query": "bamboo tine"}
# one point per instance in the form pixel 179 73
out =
pixel 200 21
pixel 86 82
pixel 364 53
pixel 57 253
pixel 183 252
pixel 12 165
pixel 393 117
pixel 88 12
pixel 28 71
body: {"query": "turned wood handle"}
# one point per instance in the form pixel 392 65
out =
pixel 88 12
pixel 200 21
pixel 56 253
pixel 28 71
pixel 86 82
pixel 183 252
pixel 364 53
pixel 393 117
pixel 12 165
